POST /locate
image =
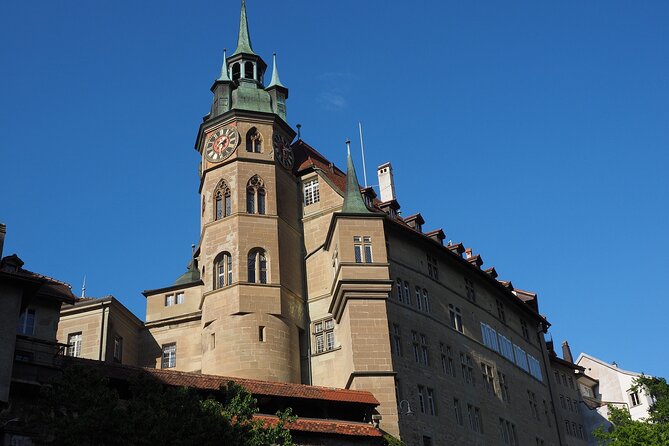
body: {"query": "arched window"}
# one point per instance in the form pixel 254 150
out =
pixel 223 270
pixel 257 266
pixel 236 71
pixel 426 301
pixel 222 201
pixel 418 299
pixel 248 70
pixel 407 296
pixel 253 141
pixel 255 195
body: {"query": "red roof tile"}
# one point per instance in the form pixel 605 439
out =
pixel 326 426
pixel 253 386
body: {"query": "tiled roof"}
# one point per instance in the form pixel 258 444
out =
pixel 253 386
pixel 326 426
pixel 49 285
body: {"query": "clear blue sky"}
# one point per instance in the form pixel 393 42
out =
pixel 535 132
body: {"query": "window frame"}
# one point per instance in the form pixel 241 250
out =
pixel 169 361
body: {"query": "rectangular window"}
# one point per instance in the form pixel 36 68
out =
pixel 456 318
pixel 432 269
pixel 324 335
pixel 430 401
pixel 503 387
pixel 548 419
pixel 489 336
pixel 118 349
pixel 532 400
pixel 469 288
pixel 634 398
pixel 526 332
pixel 179 298
pixel 261 333
pixel 425 353
pixel 507 431
pixel 458 411
pixel 397 340
pixel 427 441
pixel 419 301
pixel 421 399
pixel 362 247
pixel 488 378
pixel 506 348
pixel 407 296
pixel 475 419
pixel 169 356
pixel 26 324
pixel 500 311
pixel 521 357
pixel 169 300
pixel 416 351
pixel 535 367
pixel 467 366
pixel 399 290
pixel 311 192
pixel 74 344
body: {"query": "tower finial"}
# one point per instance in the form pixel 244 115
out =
pixel 83 288
pixel 275 82
pixel 353 203
pixel 244 38
pixel 224 68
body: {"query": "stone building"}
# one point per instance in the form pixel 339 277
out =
pixel 301 276
pixel 29 352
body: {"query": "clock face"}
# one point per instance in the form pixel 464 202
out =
pixel 221 144
pixel 282 151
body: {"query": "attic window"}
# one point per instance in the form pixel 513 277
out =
pixel 311 192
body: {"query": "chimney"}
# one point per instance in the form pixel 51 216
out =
pixel 566 352
pixel 3 230
pixel 468 253
pixel 386 182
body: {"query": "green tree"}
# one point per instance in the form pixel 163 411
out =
pixel 653 431
pixel 81 408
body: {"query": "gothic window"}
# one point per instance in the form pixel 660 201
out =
pixel 257 266
pixel 223 270
pixel 399 290
pixel 236 71
pixel 222 201
pixel 254 141
pixel 255 196
pixel 248 70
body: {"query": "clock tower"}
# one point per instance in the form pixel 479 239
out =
pixel 250 255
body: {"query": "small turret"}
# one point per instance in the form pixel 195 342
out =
pixel 222 89
pixel 353 202
pixel 277 91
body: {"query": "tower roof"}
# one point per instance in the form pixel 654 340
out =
pixel 353 203
pixel 224 68
pixel 244 38
pixel 275 82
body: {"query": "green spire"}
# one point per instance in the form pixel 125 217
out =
pixel 353 203
pixel 224 69
pixel 244 39
pixel 275 82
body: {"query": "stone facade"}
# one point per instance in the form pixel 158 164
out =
pixel 289 284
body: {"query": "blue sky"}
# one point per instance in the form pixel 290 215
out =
pixel 535 132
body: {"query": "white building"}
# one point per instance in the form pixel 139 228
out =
pixel 614 387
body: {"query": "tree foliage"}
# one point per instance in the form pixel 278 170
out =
pixel 653 431
pixel 81 408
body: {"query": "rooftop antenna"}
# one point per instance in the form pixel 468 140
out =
pixel 299 134
pixel 192 248
pixel 83 288
pixel 362 146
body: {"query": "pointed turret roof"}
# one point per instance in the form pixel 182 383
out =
pixel 353 203
pixel 224 68
pixel 244 39
pixel 275 82
pixel 191 275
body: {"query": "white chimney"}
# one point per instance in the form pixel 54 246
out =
pixel 386 182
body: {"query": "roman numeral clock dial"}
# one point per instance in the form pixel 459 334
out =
pixel 221 144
